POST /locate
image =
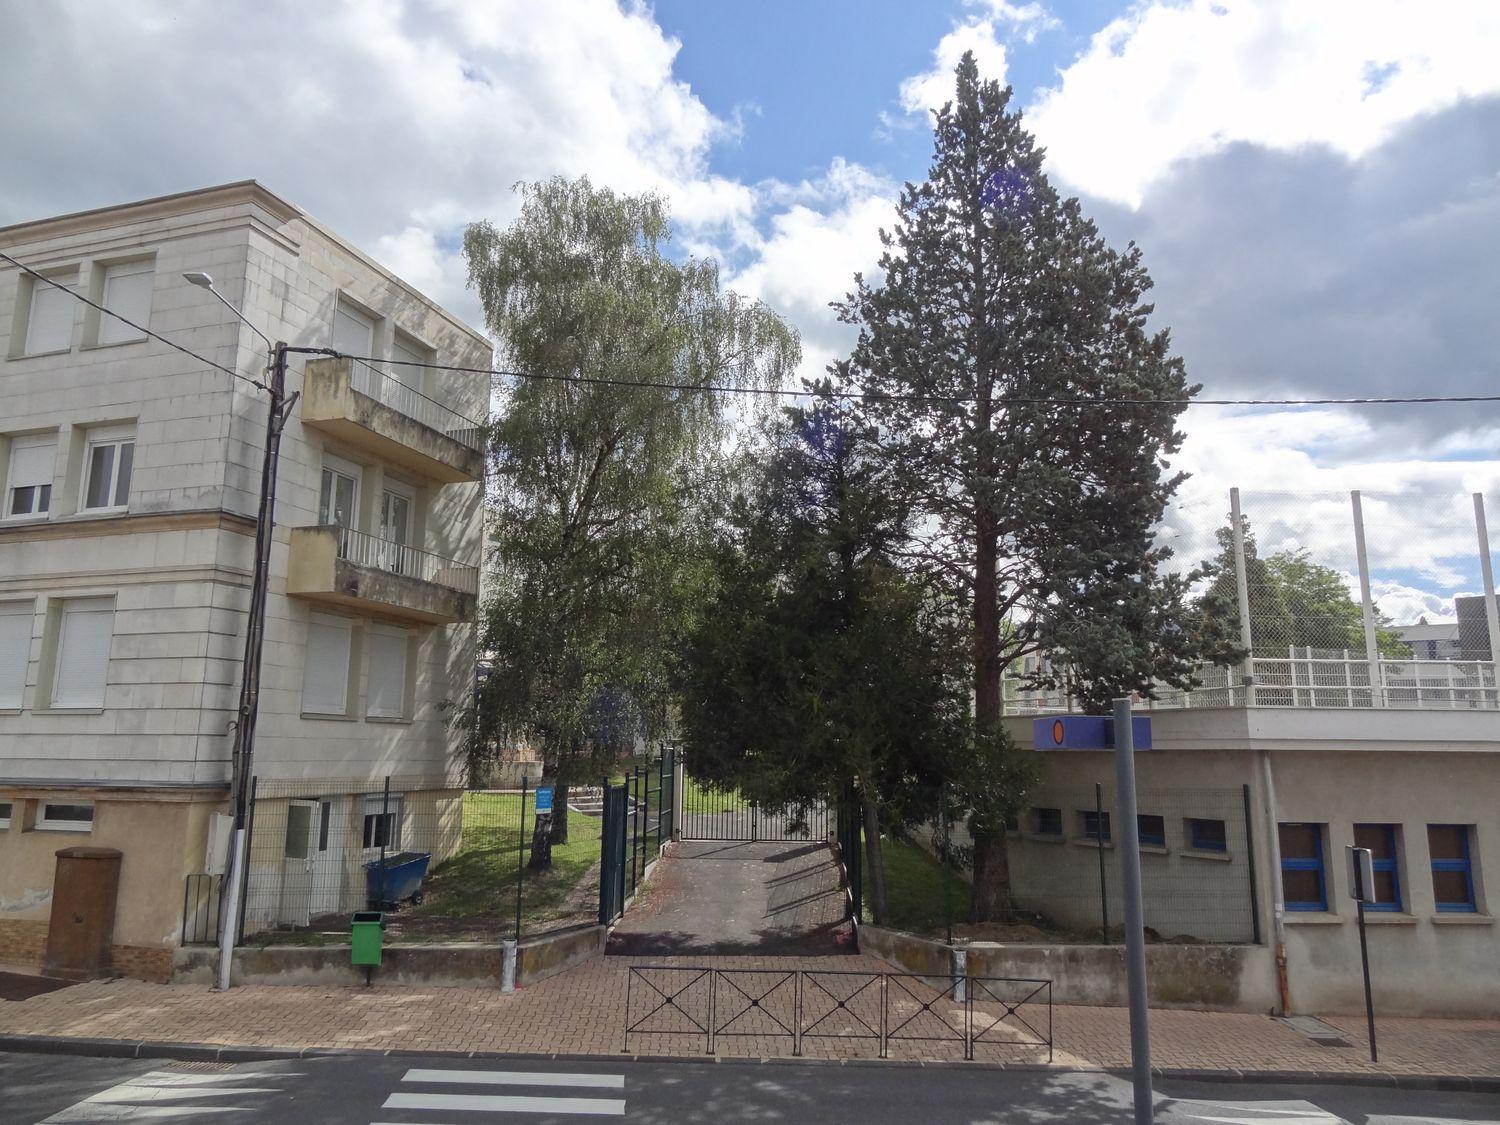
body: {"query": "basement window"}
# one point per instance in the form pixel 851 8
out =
pixel 57 816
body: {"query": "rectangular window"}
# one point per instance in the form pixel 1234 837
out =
pixel 1303 884
pixel 382 823
pixel 127 291
pixel 1095 825
pixel 59 816
pixel 49 322
pixel 1047 822
pixel 353 331
pixel 298 843
pixel 107 466
pixel 15 652
pixel 404 391
pixel 1381 840
pixel 325 815
pixel 28 482
pixel 6 810
pixel 81 663
pixel 387 688
pixel 1152 829
pixel 1452 867
pixel 1206 835
pixel 325 673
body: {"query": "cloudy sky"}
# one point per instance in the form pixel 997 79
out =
pixel 1316 186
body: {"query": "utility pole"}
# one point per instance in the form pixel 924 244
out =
pixel 255 630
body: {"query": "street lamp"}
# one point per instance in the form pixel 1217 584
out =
pixel 249 706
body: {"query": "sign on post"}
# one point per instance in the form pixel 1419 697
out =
pixel 543 801
pixel 1086 732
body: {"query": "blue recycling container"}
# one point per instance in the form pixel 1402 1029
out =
pixel 399 880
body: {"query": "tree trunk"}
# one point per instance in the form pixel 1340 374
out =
pixel 991 899
pixel 874 865
pixel 541 844
pixel 560 812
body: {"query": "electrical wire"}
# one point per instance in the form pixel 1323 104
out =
pixel 126 320
pixel 606 381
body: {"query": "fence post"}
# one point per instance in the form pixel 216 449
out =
pixel 521 860
pixel 661 794
pixel 1491 611
pixel 385 832
pixel 1367 604
pixel 1099 839
pixel 1242 592
pixel 947 866
pixel 679 792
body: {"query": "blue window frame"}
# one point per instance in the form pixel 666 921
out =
pixel 1151 829
pixel 1304 883
pixel 1095 825
pixel 1381 840
pixel 1207 835
pixel 1452 868
pixel 1047 822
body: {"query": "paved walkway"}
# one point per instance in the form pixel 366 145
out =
pixel 725 897
pixel 583 1012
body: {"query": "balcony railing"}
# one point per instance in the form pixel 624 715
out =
pixel 1306 680
pixel 387 389
pixel 373 551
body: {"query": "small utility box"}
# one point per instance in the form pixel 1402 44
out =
pixel 366 936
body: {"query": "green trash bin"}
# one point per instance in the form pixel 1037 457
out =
pixel 366 935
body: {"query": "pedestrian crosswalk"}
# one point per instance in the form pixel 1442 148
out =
pixel 166 1095
pixel 481 1095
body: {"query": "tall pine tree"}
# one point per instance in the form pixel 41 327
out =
pixel 1000 308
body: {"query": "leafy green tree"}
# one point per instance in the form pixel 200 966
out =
pixel 1270 619
pixel 591 574
pixel 999 314
pixel 819 661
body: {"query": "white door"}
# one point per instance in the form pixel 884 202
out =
pixel 395 532
pixel 296 863
pixel 326 863
pixel 338 499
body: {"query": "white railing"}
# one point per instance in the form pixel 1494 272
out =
pixel 1305 680
pixel 387 389
pixel 396 558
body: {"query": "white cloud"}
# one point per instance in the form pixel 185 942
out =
pixel 1027 20
pixel 1173 80
pixel 929 90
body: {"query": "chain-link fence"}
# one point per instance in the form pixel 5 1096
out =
pixel 1355 599
pixel 445 864
pixel 1198 877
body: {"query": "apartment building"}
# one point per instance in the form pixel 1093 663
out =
pixel 129 480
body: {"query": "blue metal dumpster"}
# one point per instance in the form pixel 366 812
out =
pixel 399 880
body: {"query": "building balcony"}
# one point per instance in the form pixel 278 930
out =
pixel 367 409
pixel 337 566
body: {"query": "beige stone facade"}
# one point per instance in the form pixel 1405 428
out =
pixel 129 478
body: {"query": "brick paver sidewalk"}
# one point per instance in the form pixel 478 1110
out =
pixel 582 1012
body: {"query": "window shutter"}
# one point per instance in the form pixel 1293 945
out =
pixel 325 675
pixel 83 655
pixel 50 328
pixel 387 674
pixel 352 332
pixel 32 464
pixel 127 291
pixel 15 650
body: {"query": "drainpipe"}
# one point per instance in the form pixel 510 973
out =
pixel 1278 903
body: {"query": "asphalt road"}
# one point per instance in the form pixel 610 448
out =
pixel 58 1089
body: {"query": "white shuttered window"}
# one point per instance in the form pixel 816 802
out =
pixel 388 673
pixel 15 651
pixel 127 291
pixel 28 487
pixel 325 674
pixel 49 327
pixel 83 637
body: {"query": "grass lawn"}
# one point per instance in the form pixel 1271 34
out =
pixel 914 888
pixel 699 798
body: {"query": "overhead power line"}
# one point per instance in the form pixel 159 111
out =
pixel 607 381
pixel 126 320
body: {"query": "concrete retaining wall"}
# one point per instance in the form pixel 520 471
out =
pixel 466 965
pixel 1223 978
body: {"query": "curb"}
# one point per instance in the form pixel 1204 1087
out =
pixel 209 1052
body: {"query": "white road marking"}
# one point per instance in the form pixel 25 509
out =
pixel 498 1103
pixel 516 1078
pixel 149 1096
pixel 132 1092
pixel 1244 1112
pixel 76 1115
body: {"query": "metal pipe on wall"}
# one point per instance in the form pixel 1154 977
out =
pixel 1278 901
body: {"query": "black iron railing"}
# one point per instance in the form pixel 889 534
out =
pixel 792 1006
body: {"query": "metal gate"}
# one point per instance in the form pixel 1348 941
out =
pixel 637 821
pixel 718 814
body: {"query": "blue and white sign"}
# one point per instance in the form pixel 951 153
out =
pixel 543 801
pixel 1086 732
